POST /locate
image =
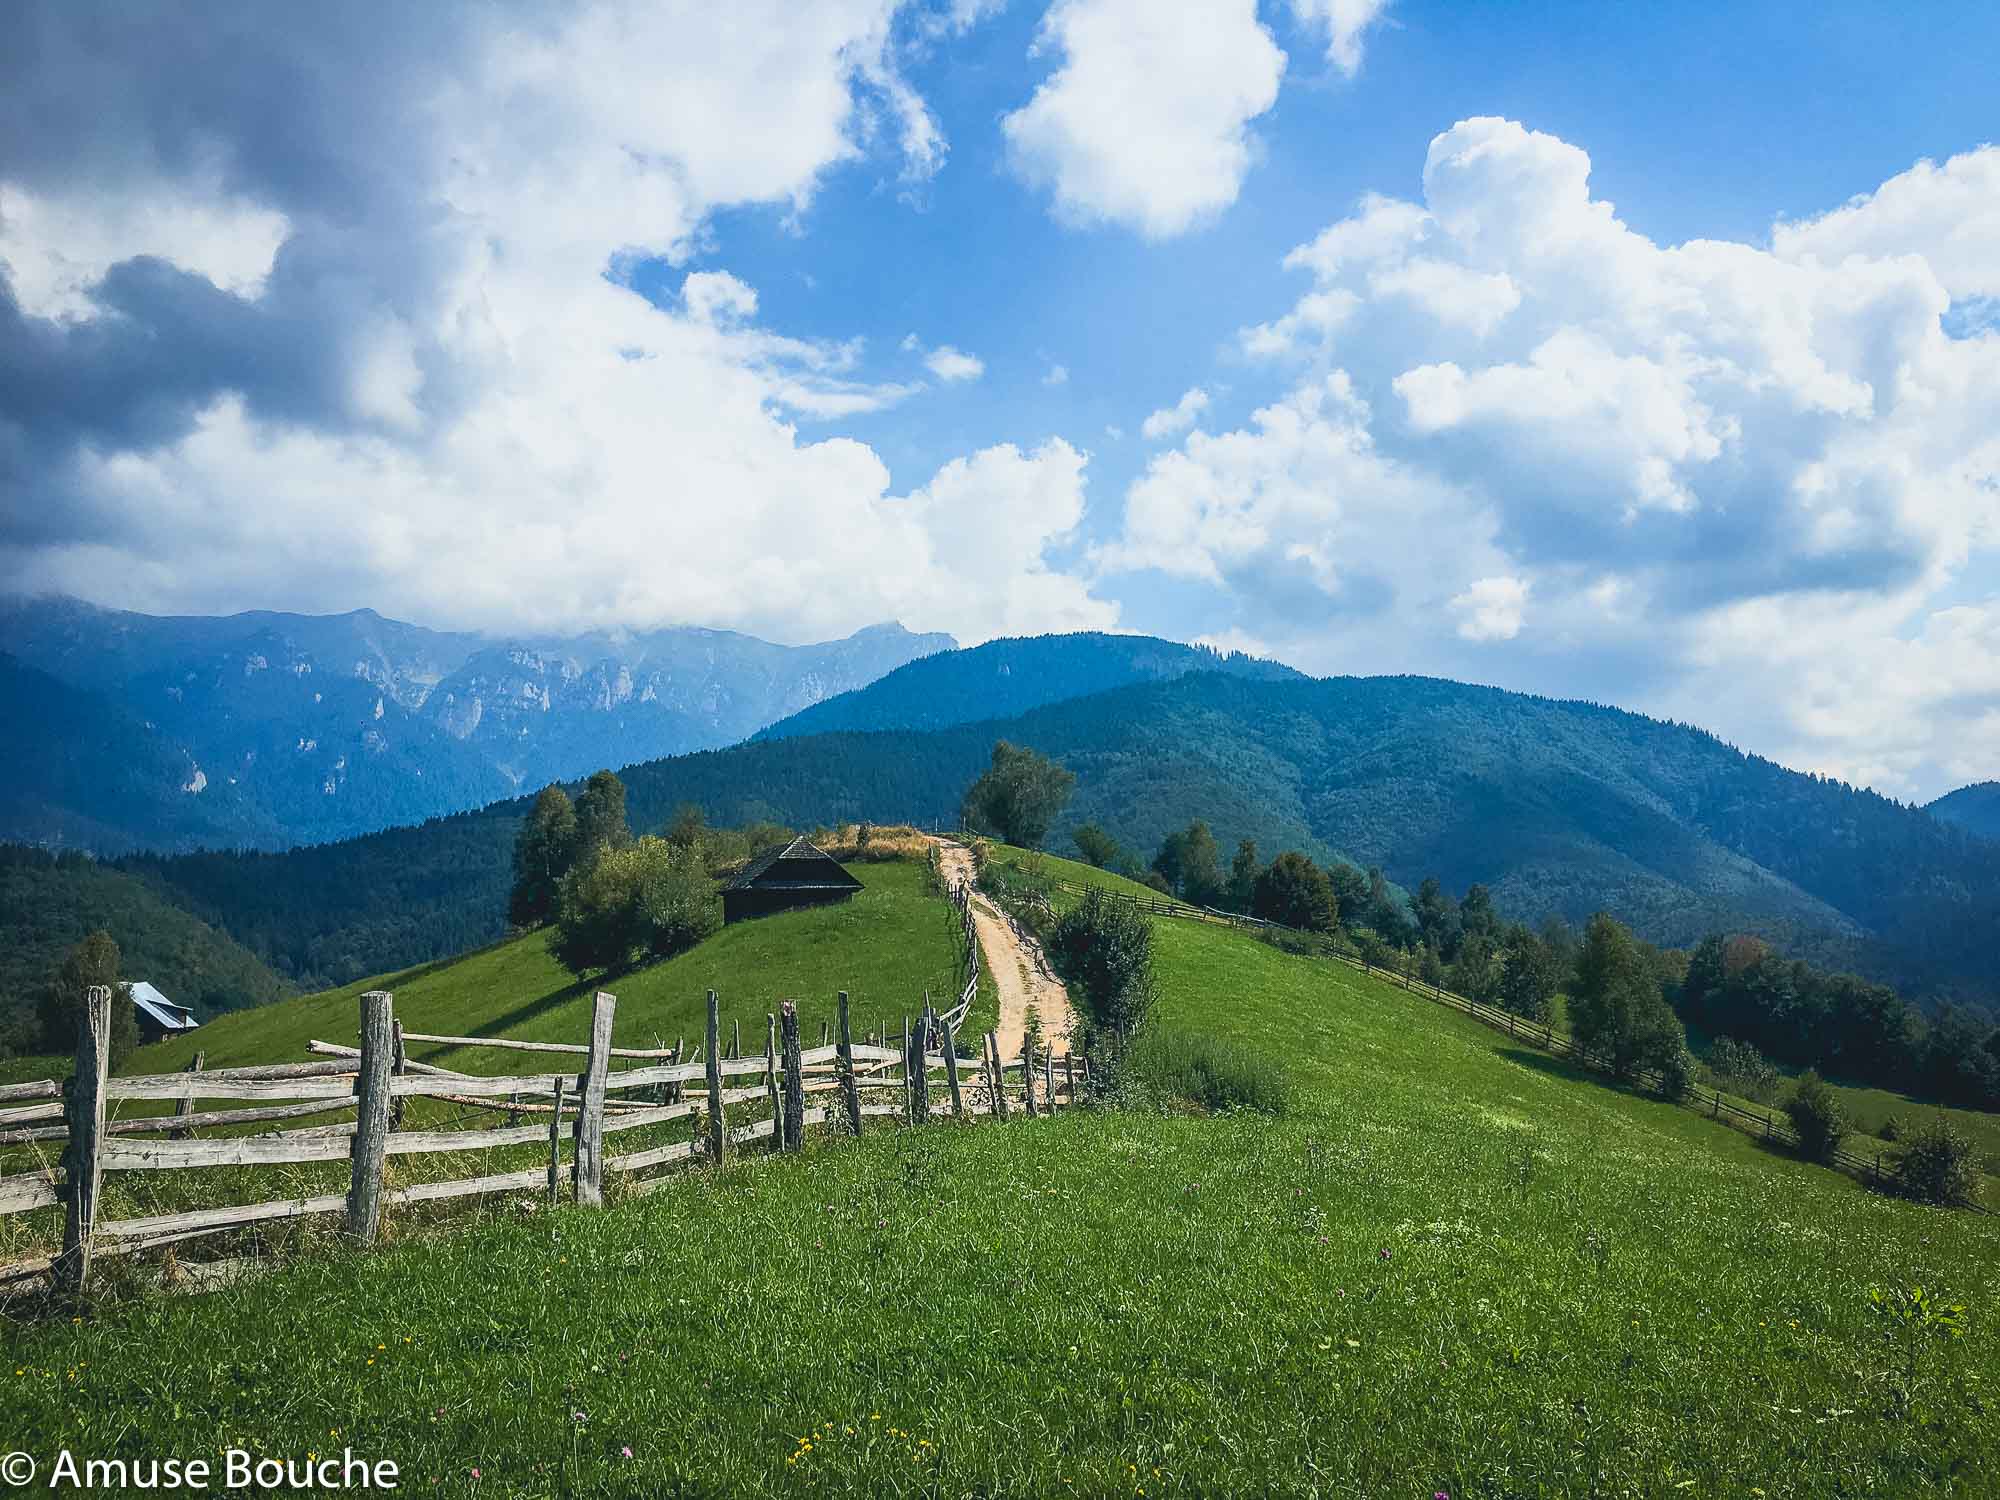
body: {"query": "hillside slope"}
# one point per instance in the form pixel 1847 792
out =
pixel 886 947
pixel 1974 808
pixel 1006 677
pixel 1451 1267
pixel 1558 806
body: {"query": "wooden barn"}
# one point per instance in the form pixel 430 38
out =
pixel 794 874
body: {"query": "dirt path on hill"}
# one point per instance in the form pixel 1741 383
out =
pixel 1015 964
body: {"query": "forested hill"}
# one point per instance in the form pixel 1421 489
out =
pixel 1012 676
pixel 1974 808
pixel 1557 806
pixel 49 901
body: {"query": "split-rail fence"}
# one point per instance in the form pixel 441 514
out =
pixel 854 1081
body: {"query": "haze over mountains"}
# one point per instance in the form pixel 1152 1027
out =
pixel 264 730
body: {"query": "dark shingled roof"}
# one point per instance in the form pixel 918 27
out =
pixel 800 865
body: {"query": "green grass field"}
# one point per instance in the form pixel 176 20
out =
pixel 1452 1266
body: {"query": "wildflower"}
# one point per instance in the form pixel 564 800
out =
pixel 1384 1252
pixel 626 1451
pixel 475 1473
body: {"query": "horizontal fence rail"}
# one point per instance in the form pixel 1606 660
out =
pixel 924 1077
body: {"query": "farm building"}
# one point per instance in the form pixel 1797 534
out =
pixel 157 1015
pixel 794 874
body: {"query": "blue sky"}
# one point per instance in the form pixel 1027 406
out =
pixel 1529 344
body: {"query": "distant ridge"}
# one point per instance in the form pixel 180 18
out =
pixel 1975 808
pixel 1013 675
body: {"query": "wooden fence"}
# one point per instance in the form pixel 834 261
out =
pixel 376 1079
pixel 959 894
pixel 1767 1124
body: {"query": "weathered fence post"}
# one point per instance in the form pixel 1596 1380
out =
pixel 555 1140
pixel 1028 1072
pixel 588 1168
pixel 771 1080
pixel 1069 1075
pixel 83 1111
pixel 186 1106
pixel 920 1070
pixel 950 1049
pixel 680 1056
pixel 718 1125
pixel 736 1037
pixel 398 1062
pixel 795 1083
pixel 850 1091
pixel 825 1033
pixel 371 1116
pixel 1049 1079
pixel 998 1072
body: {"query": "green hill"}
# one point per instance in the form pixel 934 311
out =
pixel 886 947
pixel 1451 1266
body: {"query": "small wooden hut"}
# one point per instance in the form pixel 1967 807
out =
pixel 795 874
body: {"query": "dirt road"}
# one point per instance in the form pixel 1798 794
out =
pixel 1014 963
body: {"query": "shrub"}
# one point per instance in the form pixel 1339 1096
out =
pixel 1742 1069
pixel 1205 1070
pixel 651 899
pixel 1103 949
pixel 1677 1073
pixel 1817 1118
pixel 1937 1166
pixel 1891 1129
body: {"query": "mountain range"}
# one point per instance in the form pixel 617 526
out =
pixel 1559 807
pixel 265 730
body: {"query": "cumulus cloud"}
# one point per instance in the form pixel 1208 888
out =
pixel 1709 464
pixel 1179 417
pixel 1145 122
pixel 1949 215
pixel 1056 375
pixel 355 323
pixel 1344 22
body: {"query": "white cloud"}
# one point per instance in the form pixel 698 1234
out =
pixel 1680 453
pixel 1179 417
pixel 516 439
pixel 951 364
pixel 1949 215
pixel 1056 375
pixel 1344 22
pixel 1145 122
pixel 1491 609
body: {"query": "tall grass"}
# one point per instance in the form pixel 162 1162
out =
pixel 1204 1070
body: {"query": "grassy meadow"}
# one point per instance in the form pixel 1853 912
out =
pixel 1450 1266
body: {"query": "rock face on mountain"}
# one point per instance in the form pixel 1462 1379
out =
pixel 268 729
